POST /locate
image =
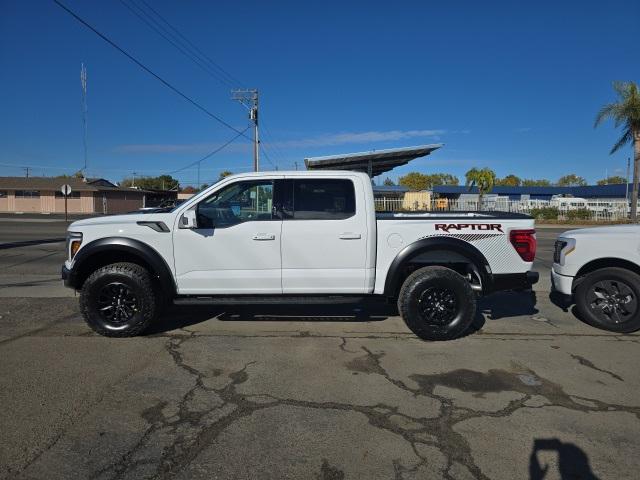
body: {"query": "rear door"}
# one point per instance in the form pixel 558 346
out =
pixel 324 235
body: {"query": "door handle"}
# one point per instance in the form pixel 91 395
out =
pixel 264 236
pixel 350 236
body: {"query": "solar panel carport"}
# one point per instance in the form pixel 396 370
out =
pixel 374 162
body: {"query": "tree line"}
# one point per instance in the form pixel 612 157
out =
pixel 417 181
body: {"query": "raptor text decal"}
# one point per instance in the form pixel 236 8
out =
pixel 446 227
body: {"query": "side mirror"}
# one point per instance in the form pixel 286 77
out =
pixel 189 219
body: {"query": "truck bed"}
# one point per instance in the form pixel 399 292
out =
pixel 461 215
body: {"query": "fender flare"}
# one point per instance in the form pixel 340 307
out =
pixel 404 257
pixel 148 254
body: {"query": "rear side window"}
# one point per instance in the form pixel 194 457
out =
pixel 319 199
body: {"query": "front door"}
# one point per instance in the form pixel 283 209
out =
pixel 235 248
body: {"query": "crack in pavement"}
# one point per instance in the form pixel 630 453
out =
pixel 589 364
pixel 188 432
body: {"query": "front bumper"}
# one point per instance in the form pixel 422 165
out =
pixel 68 277
pixel 561 283
pixel 514 281
pixel 561 290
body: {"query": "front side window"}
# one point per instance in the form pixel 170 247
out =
pixel 318 199
pixel 237 203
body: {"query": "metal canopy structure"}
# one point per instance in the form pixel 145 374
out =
pixel 374 163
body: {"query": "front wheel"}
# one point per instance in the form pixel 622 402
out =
pixel 609 299
pixel 118 300
pixel 437 303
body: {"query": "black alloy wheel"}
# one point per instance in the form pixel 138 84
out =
pixel 437 303
pixel 119 300
pixel 438 306
pixel 117 303
pixel 612 301
pixel 609 298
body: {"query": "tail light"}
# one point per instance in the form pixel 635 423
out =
pixel 524 241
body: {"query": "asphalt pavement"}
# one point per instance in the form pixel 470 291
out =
pixel 328 392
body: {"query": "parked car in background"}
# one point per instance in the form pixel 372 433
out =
pixel 598 270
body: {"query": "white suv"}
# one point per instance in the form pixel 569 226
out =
pixel 598 269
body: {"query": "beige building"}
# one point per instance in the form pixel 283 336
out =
pixel 417 200
pixel 97 196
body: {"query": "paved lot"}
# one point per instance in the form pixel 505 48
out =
pixel 309 392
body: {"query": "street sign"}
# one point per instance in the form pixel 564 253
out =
pixel 66 191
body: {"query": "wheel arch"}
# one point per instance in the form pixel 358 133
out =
pixel 606 262
pixel 105 251
pixel 454 250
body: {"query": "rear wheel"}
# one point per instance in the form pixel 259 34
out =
pixel 437 303
pixel 118 300
pixel 609 298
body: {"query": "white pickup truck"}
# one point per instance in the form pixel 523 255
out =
pixel 598 269
pixel 292 237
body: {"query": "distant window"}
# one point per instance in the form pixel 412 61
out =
pixel 318 199
pixel 27 193
pixel 3 194
pixel 71 195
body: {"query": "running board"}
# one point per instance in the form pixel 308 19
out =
pixel 271 299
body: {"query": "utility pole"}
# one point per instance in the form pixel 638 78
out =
pixel 626 195
pixel 133 184
pixel 26 170
pixel 249 98
pixel 83 85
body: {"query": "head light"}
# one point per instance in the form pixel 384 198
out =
pixel 74 241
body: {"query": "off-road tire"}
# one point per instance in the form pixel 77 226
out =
pixel 627 282
pixel 117 277
pixel 425 283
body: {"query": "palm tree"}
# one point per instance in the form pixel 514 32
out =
pixel 483 178
pixel 626 113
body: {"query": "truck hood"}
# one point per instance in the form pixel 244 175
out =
pixel 613 230
pixel 126 219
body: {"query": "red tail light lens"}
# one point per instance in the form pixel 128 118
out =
pixel 524 241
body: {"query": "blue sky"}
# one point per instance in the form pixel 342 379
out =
pixel 509 85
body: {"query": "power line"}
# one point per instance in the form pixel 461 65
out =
pixel 210 154
pixel 264 152
pixel 147 69
pixel 164 33
pixel 272 144
pixel 233 80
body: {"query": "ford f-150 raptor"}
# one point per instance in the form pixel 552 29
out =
pixel 291 237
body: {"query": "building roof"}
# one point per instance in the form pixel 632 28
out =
pixel 55 183
pixel 380 161
pixel 589 191
pixel 390 189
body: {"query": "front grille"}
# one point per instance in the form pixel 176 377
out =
pixel 557 249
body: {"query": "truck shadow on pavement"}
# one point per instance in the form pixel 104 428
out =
pixel 492 307
pixel 363 311
pixel 572 462
pixel 508 304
